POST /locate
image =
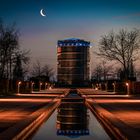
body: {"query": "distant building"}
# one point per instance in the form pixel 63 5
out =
pixel 73 62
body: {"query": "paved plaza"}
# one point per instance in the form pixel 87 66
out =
pixel 17 112
pixel 120 111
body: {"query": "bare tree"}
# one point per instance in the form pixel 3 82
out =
pixel 122 47
pixel 8 45
pixel 37 70
pixel 48 71
pixel 97 73
pixel 42 71
pixel 21 59
pixel 102 70
pixel 107 69
pixel 11 56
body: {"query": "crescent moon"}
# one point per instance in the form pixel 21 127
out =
pixel 42 13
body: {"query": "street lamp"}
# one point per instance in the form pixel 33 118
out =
pixel 32 85
pixel 46 85
pixel 114 87
pixel 40 84
pixel 50 87
pixel 128 88
pixel 106 86
pixel 19 83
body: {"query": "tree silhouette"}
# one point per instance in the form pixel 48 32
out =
pixel 8 45
pixel 39 71
pixel 122 47
pixel 12 57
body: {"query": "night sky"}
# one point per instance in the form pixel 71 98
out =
pixel 85 19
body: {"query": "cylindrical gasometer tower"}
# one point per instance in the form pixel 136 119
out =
pixel 73 62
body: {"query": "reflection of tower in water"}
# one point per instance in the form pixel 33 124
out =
pixel 72 118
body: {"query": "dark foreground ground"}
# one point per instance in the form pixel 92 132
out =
pixel 17 112
pixel 120 112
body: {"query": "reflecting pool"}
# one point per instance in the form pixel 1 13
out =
pixel 71 120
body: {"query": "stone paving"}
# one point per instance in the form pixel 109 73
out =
pixel 121 111
pixel 16 109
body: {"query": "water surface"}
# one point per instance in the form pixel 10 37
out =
pixel 49 131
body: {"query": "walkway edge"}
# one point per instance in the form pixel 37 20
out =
pixel 111 129
pixel 23 129
pixel 27 131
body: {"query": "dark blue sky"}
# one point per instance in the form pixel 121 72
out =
pixel 86 19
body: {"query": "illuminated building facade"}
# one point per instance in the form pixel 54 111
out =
pixel 73 62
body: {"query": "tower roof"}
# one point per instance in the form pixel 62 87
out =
pixel 72 39
pixel 73 42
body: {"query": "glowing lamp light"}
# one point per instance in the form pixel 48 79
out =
pixel 127 84
pixel 40 85
pixel 18 90
pixel 32 84
pixel 46 85
pixel 128 88
pixel 96 88
pixel 19 82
